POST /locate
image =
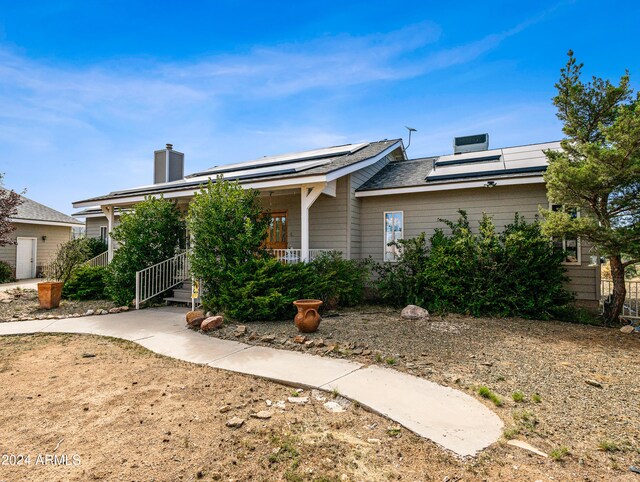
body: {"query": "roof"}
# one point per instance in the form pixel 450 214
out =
pixel 287 168
pixel 31 210
pixel 508 162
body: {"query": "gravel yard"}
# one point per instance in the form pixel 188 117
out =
pixel 570 390
pixel 19 305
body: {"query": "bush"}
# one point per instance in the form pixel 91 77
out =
pixel 151 233
pixel 337 281
pixel 86 283
pixel 6 273
pixel 95 246
pixel 514 273
pixel 68 257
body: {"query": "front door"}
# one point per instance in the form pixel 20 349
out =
pixel 26 258
pixel 277 235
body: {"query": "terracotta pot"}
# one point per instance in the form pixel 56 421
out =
pixel 49 294
pixel 308 318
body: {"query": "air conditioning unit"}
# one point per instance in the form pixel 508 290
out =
pixel 478 142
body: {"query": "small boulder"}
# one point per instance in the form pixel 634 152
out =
pixel 211 323
pixel 224 408
pixel 235 422
pixel 115 310
pixel 124 308
pixel 268 338
pixel 627 329
pixel 299 339
pixel 413 312
pixel 298 400
pixel 240 330
pixel 194 318
pixel 333 407
pixel 262 415
pixel 89 312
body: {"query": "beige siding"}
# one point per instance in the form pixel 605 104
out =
pixel 357 179
pixel 46 249
pixel 328 219
pixel 93 226
pixel 291 204
pixel 422 210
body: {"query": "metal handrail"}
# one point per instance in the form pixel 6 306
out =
pixel 101 260
pixel 631 306
pixel 162 276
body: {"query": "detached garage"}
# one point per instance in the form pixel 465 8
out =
pixel 38 232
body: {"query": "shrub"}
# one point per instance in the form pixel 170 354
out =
pixel 86 283
pixel 151 233
pixel 337 281
pixel 95 246
pixel 68 257
pixel 513 273
pixel 6 273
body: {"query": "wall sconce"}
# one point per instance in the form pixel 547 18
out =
pixel 491 184
pixel 44 238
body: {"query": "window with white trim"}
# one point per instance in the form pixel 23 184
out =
pixel 393 231
pixel 103 234
pixel 570 245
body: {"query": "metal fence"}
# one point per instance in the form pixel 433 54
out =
pixel 632 300
pixel 161 277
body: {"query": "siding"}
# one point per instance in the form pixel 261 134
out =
pixel 422 210
pixel 292 205
pixel 328 220
pixel 357 179
pixel 93 226
pixel 46 250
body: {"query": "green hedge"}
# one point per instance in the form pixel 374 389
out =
pixel 514 273
pixel 86 283
pixel 6 273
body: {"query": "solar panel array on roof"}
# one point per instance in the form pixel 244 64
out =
pixel 283 160
pixel 512 160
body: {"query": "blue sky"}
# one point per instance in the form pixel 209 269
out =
pixel 88 89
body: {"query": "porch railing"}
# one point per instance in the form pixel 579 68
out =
pixel 161 277
pixel 293 255
pixel 631 307
pixel 101 260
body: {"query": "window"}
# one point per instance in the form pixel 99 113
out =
pixel 393 231
pixel 571 246
pixel 103 234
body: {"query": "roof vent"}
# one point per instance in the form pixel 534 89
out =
pixel 168 165
pixel 478 142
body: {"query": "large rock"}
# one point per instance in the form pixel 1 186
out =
pixel 212 323
pixel 194 318
pixel 413 312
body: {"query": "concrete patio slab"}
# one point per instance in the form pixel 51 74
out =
pixel 286 366
pixel 447 416
pixel 25 284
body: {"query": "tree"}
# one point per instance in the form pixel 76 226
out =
pixel 598 171
pixel 9 202
pixel 228 228
pixel 151 233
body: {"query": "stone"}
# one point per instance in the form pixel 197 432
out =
pixel 211 323
pixel 268 338
pixel 308 343
pixel 268 402
pixel 240 330
pixel 235 422
pixel 593 383
pixel 104 312
pixel 194 318
pixel 298 400
pixel 320 343
pixel 627 329
pixel 526 446
pixel 317 394
pixel 115 310
pixel 89 312
pixel 224 408
pixel 358 351
pixel 124 308
pixel 299 339
pixel 262 415
pixel 280 405
pixel 333 407
pixel 8 300
pixel 374 440
pixel 413 312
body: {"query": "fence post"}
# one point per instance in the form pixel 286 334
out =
pixel 137 290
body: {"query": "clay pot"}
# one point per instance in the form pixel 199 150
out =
pixel 49 294
pixel 308 318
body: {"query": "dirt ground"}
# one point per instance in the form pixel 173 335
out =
pixel 110 410
pixel 19 305
pixel 550 366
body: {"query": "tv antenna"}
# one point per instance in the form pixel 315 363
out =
pixel 410 129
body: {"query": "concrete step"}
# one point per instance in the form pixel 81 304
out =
pixel 182 292
pixel 173 299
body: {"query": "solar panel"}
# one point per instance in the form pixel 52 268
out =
pixel 283 159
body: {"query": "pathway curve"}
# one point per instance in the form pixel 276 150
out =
pixel 449 417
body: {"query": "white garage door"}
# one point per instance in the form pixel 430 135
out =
pixel 26 258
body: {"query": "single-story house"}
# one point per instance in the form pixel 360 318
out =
pixel 39 230
pixel 356 198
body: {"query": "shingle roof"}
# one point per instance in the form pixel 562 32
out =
pixel 31 210
pixel 400 174
pixel 332 164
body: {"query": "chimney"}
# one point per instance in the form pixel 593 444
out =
pixel 478 142
pixel 168 165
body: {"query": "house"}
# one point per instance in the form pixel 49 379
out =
pixel 39 230
pixel 357 198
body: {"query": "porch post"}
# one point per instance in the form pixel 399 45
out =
pixel 109 213
pixel 308 195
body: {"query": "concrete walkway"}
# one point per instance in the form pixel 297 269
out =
pixel 25 284
pixel 449 417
